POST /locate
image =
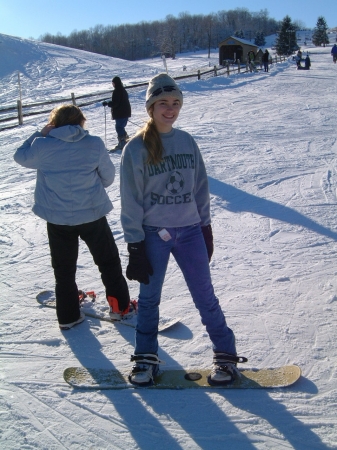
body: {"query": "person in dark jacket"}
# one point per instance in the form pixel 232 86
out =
pixel 73 171
pixel 307 62
pixel 265 60
pixel 120 111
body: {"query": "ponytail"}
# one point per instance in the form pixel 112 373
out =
pixel 152 142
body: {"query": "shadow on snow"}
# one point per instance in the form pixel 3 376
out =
pixel 240 201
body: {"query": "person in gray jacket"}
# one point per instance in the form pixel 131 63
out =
pixel 166 210
pixel 73 170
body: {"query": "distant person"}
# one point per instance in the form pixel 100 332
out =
pixel 251 56
pixel 120 111
pixel 251 59
pixel 265 60
pixel 307 62
pixel 166 210
pixel 73 170
pixel 298 59
pixel 334 53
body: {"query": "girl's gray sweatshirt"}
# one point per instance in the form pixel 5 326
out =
pixel 173 193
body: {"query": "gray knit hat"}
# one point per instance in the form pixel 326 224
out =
pixel 162 86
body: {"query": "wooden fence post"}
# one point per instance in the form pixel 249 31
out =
pixel 239 67
pixel 198 74
pixel 20 117
pixel 73 98
pixel 19 82
pixel 227 67
pixel 215 71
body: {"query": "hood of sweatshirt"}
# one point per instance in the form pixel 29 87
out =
pixel 69 133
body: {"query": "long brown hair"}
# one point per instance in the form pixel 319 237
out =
pixel 66 115
pixel 152 140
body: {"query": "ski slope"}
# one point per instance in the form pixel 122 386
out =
pixel 269 141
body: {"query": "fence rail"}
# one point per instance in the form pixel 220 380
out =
pixel 26 110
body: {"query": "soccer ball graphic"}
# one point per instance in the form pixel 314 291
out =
pixel 175 183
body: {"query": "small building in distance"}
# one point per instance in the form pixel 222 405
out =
pixel 233 48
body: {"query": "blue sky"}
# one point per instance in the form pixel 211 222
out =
pixel 33 18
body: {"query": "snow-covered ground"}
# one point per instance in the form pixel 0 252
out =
pixel 269 144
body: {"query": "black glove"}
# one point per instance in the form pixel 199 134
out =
pixel 139 267
pixel 105 103
pixel 208 237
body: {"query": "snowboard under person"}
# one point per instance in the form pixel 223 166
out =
pixel 73 170
pixel 166 210
pixel 120 111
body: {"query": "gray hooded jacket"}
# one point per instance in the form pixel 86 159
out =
pixel 73 170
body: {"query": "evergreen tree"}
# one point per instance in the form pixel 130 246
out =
pixel 320 35
pixel 260 39
pixel 286 42
pixel 240 34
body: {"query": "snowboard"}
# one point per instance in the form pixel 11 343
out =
pixel 91 308
pixel 85 378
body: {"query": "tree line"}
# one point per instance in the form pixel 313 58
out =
pixel 187 33
pixel 172 35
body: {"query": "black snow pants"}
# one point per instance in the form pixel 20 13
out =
pixel 63 243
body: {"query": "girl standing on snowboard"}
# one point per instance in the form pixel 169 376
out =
pixel 73 170
pixel 166 209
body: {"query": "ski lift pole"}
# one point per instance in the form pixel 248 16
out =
pixel 136 124
pixel 19 102
pixel 105 125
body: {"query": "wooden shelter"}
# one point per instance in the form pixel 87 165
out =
pixel 233 48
